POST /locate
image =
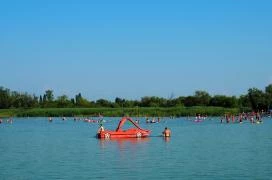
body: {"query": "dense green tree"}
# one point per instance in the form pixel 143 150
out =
pixel 268 91
pixel 202 98
pixel 73 101
pixel 179 101
pixel 190 101
pixel 244 101
pixel 119 102
pixel 40 100
pixel 63 101
pixel 152 101
pixel 224 101
pixel 15 99
pixel 131 103
pixel 103 103
pixel 49 95
pixel 48 99
pixel 78 99
pixel 81 102
pixel 44 100
pixel 257 99
pixel 5 100
pixel 35 101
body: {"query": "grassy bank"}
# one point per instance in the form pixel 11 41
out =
pixel 112 112
pixel 9 112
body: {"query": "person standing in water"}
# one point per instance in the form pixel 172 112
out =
pixel 222 119
pixel 50 119
pixel 166 132
pixel 10 120
pixel 100 129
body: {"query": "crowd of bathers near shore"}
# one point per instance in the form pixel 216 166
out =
pixel 252 117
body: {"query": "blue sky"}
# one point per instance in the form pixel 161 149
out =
pixel 131 49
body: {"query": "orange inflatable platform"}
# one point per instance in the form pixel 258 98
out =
pixel 136 132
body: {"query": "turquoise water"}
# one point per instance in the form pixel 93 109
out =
pixel 33 148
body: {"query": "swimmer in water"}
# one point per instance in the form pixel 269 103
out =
pixel 166 132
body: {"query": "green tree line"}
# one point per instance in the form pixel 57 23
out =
pixel 255 99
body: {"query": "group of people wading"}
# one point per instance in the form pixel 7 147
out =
pixel 253 117
pixel 9 120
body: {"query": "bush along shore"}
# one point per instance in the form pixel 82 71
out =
pixel 118 112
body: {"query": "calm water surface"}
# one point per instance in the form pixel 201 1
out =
pixel 33 148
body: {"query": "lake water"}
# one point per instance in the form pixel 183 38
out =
pixel 33 148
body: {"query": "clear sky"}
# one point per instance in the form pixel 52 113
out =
pixel 131 49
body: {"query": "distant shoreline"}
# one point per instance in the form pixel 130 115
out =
pixel 118 112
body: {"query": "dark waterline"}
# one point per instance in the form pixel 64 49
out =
pixel 33 148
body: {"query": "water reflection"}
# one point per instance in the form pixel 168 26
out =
pixel 166 139
pixel 122 143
